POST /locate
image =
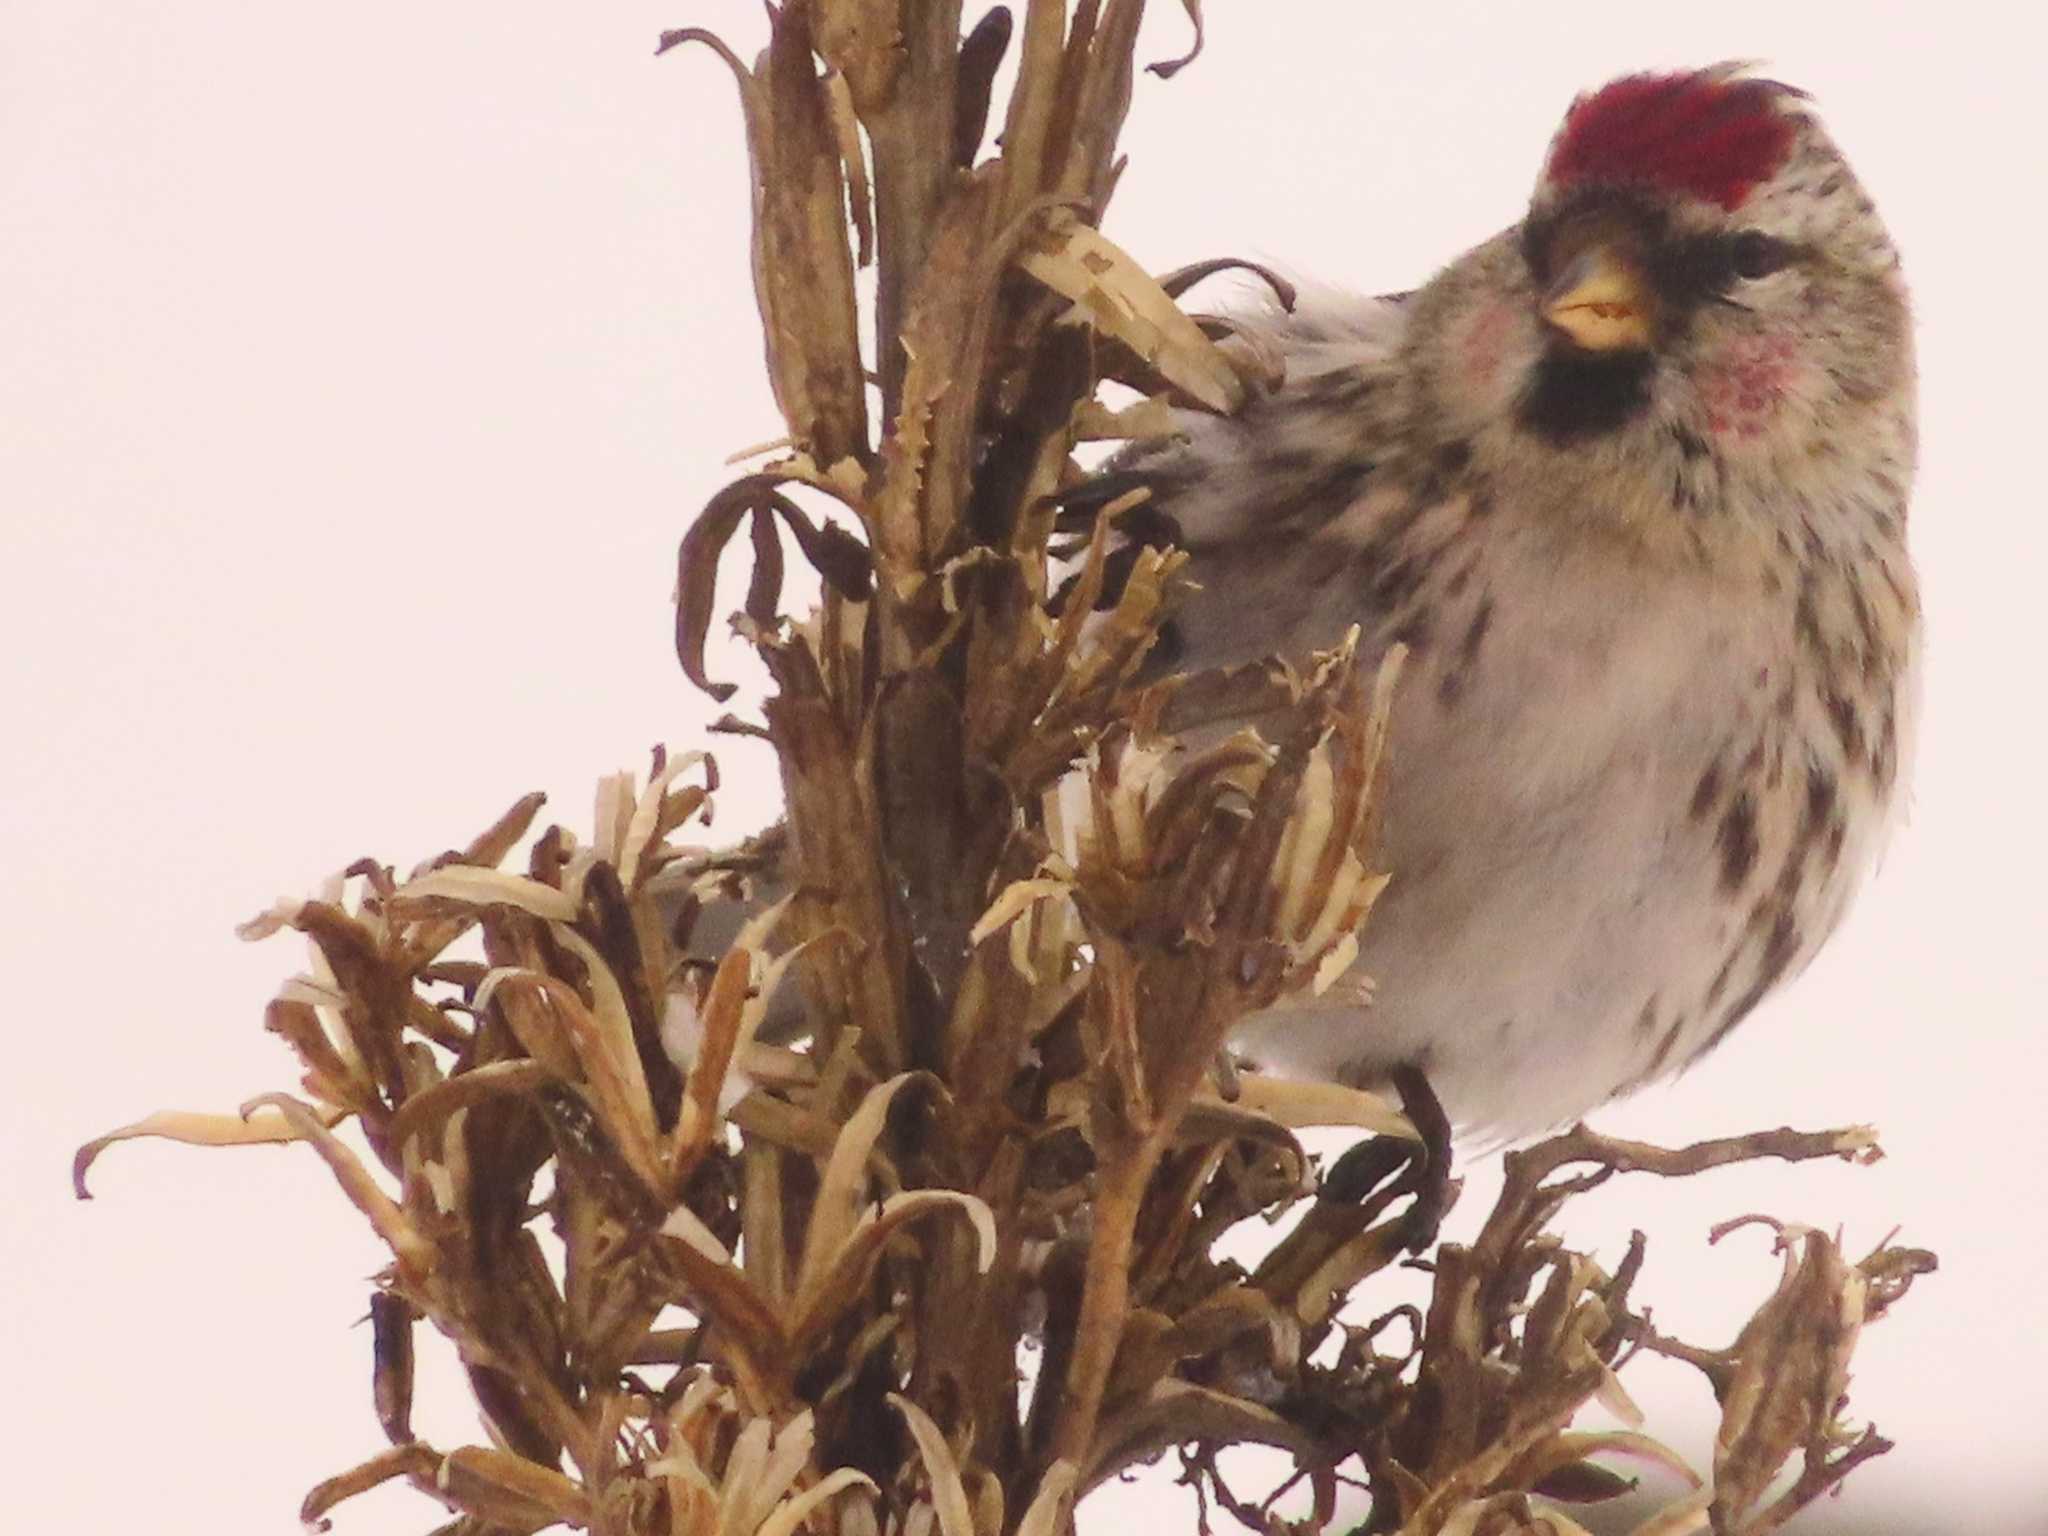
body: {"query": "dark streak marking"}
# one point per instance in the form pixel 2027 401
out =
pixel 1884 760
pixel 1707 791
pixel 1778 951
pixel 1806 619
pixel 1737 842
pixel 1664 1047
pixel 1453 682
pixel 1848 727
pixel 1720 982
pixel 1821 797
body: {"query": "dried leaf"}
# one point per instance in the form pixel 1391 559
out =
pixel 764 584
pixel 1047 1513
pixel 1149 420
pixel 489 847
pixel 1181 279
pixel 499 1486
pixel 1166 69
pixel 655 814
pixel 412 1249
pixel 391 1320
pixel 860 196
pixel 1177 1411
pixel 821 1302
pixel 416 1460
pixel 949 1494
pixel 840 1190
pixel 981 55
pixel 703 1090
pixel 199 1130
pixel 602 1039
pixel 465 886
pixel 1119 299
pixel 1791 1369
pixel 697 574
pixel 839 558
pixel 793 1512
pixel 424 1112
pixel 1684 1518
pixel 1013 901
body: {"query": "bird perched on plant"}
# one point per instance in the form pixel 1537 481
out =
pixel 1630 479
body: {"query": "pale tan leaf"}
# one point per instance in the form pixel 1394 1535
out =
pixel 1175 1411
pixel 644 827
pixel 1047 1512
pixel 742 1471
pixel 841 1188
pixel 1508 1514
pixel 1299 1104
pixel 505 1487
pixel 787 1458
pixel 1146 420
pixel 408 1244
pixel 276 917
pixel 610 1055
pixel 1615 1398
pixel 198 1130
pixel 1119 298
pixel 819 1302
pixel 433 1106
pixel 1352 890
pixel 710 1062
pixel 465 885
pixel 1011 903
pixel 987 1498
pixel 535 1008
pixel 1580 1445
pixel 1687 1516
pixel 793 1511
pixel 416 1460
pixel 685 1225
pixel 1301 844
pixel 859 198
pixel 949 1494
pixel 1334 964
pixel 610 814
pixel 681 1464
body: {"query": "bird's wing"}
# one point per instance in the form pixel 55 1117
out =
pixel 1262 500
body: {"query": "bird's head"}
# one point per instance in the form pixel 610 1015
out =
pixel 1698 266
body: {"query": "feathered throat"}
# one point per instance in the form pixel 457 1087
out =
pixel 1575 395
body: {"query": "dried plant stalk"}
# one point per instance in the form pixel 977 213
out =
pixel 796 1285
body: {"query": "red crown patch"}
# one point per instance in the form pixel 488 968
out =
pixel 1707 134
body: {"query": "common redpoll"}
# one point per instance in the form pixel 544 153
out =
pixel 1630 480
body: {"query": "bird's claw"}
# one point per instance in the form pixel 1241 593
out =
pixel 1424 1166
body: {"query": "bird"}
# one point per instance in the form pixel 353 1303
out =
pixel 1630 482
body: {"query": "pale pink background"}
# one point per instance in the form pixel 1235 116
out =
pixel 363 364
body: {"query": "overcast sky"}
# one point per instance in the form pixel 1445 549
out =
pixel 363 365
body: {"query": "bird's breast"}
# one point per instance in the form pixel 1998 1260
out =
pixel 1559 711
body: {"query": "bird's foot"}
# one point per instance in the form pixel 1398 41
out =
pixel 1424 1167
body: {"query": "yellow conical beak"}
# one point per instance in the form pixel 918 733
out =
pixel 1600 303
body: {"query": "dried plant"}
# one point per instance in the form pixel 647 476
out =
pixel 703 1281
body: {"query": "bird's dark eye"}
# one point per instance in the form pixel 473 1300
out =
pixel 1755 254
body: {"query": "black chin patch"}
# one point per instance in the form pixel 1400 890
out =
pixel 1578 394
